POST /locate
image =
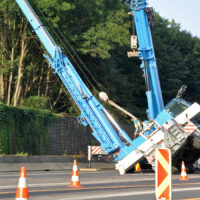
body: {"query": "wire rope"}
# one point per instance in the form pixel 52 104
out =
pixel 71 48
pixel 55 78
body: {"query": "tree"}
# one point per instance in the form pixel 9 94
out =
pixel 98 33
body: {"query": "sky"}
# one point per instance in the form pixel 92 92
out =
pixel 184 12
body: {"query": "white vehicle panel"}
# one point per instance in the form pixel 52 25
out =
pixel 143 150
pixel 188 113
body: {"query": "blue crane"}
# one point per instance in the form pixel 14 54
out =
pixel 147 55
pixel 114 140
pixel 178 116
pixel 92 112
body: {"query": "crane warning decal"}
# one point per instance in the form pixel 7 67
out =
pixel 189 128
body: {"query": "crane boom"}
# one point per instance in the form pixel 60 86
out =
pixel 91 109
pixel 147 55
pixel 38 27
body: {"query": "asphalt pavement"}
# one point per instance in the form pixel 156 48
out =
pixel 107 184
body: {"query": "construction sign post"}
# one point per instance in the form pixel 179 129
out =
pixel 163 174
pixel 89 155
pixel 94 151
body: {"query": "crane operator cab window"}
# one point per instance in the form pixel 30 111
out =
pixel 177 106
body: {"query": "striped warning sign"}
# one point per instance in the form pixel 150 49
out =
pixel 189 128
pixel 96 150
pixel 163 174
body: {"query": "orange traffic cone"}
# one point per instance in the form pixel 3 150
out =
pixel 183 173
pixel 22 190
pixel 75 177
pixel 137 167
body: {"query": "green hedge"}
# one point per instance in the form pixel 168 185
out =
pixel 22 128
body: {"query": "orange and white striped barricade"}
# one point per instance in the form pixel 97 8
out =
pixel 96 150
pixel 189 128
pixel 163 174
pixel 22 189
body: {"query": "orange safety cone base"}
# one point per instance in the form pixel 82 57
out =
pixel 22 193
pixel 75 184
pixel 138 172
pixel 184 179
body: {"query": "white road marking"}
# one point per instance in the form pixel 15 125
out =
pixel 106 196
pixel 30 174
pixel 82 182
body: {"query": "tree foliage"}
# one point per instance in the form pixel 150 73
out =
pixel 21 130
pixel 98 31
